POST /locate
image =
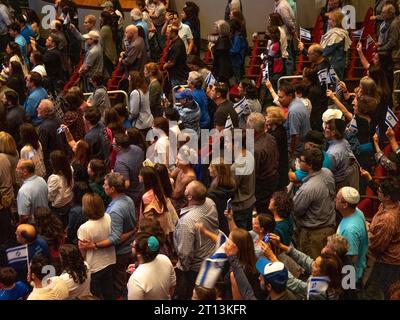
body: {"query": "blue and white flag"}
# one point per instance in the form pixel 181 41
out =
pixel 323 77
pixel 210 80
pixel 265 75
pixel 211 268
pixel 391 119
pixel 352 126
pixel 370 41
pixel 358 34
pixel 317 286
pixel 305 34
pixel 17 254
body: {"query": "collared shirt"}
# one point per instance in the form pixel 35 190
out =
pixel 384 235
pixel 314 205
pixel 32 102
pixel 340 153
pixel 192 246
pixel 123 220
pixel 297 123
pixel 32 195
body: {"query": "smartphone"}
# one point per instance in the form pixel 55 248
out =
pixel 266 238
pixel 229 204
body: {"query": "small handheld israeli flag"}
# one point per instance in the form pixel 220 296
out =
pixel 211 268
pixel 358 34
pixel 323 77
pixel 265 75
pixel 17 254
pixel 391 119
pixel 353 125
pixel 210 80
pixel 317 286
pixel 305 34
pixel 370 41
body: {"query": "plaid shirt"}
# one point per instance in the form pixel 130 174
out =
pixel 193 247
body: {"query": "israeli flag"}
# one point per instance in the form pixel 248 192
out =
pixel 305 34
pixel 210 80
pixel 211 268
pixel 353 125
pixel 265 75
pixel 358 34
pixel 391 119
pixel 17 254
pixel 370 41
pixel 240 106
pixel 317 286
pixel 323 77
pixel 228 123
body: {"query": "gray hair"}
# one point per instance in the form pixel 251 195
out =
pixel 338 244
pixel 222 27
pixel 136 14
pixel 116 180
pixel 48 107
pixel 195 76
pixel 256 121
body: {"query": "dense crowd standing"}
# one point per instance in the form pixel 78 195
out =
pixel 84 190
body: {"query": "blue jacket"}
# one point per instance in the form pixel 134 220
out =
pixel 32 102
pixel 238 50
pixel 201 98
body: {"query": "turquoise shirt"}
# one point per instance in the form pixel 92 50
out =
pixel 354 230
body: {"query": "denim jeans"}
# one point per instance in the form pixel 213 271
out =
pixel 101 284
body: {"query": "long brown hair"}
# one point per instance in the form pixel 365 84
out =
pixel 82 153
pixel 137 81
pixel 246 254
pixel 61 166
pixel 224 176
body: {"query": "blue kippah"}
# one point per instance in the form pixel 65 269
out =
pixel 153 244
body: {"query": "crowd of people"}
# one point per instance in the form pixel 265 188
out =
pixel 114 200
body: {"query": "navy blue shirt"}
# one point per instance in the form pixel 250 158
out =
pixel 129 163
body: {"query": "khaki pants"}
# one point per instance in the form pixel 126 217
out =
pixel 311 241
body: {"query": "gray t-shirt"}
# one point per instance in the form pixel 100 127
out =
pixel 94 60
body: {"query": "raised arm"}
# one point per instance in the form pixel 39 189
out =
pixel 347 114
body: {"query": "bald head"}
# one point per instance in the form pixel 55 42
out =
pixel 26 233
pixel 25 169
pixel 196 193
pixel 315 52
pixel 131 32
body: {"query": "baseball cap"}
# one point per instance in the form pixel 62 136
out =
pixel 332 114
pixel 350 195
pixel 92 34
pixel 274 273
pixel 185 94
pixel 107 4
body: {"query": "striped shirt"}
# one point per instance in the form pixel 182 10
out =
pixel 193 247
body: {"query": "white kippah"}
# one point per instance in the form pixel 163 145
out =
pixel 351 195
